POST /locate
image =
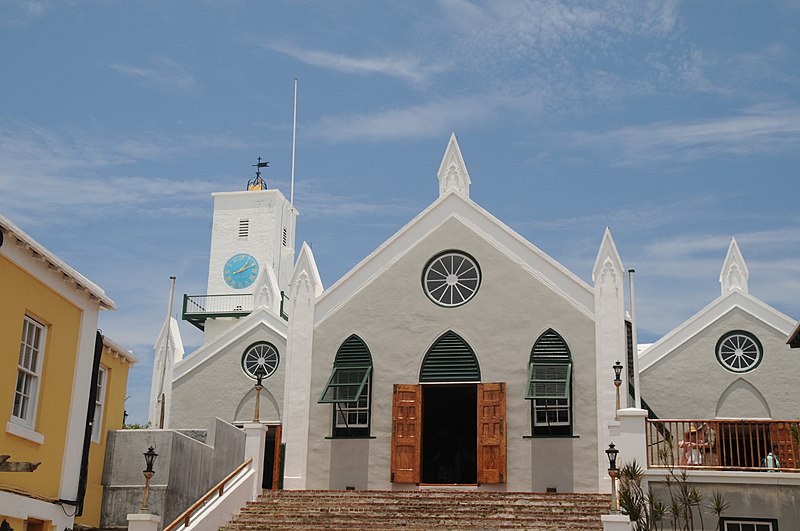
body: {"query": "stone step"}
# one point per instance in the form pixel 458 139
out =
pixel 426 509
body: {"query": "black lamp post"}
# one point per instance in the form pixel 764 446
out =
pixel 149 458
pixel 259 372
pixel 613 473
pixel 617 383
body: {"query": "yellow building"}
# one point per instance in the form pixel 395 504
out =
pixel 51 358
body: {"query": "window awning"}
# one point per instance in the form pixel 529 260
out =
pixel 345 384
pixel 549 380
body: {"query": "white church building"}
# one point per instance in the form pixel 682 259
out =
pixel 456 353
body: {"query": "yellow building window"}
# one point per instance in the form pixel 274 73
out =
pixel 97 423
pixel 29 372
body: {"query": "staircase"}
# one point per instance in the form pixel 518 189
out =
pixel 428 509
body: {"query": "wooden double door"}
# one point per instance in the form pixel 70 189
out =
pixel 449 434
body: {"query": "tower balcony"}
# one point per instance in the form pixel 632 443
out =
pixel 199 308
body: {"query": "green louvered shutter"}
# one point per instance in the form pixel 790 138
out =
pixel 351 368
pixel 450 359
pixel 550 368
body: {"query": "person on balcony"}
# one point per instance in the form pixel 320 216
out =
pixel 691 447
pixel 708 436
pixel 771 462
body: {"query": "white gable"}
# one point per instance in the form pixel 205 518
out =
pixel 711 314
pixel 486 226
pixel 259 318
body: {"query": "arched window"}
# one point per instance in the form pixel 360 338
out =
pixel 450 359
pixel 348 389
pixel 550 385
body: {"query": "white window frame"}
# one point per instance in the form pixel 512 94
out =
pixel 99 403
pixel 736 524
pixel 548 406
pixel 27 370
pixel 347 411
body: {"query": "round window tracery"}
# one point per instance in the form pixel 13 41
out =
pixel 260 357
pixel 739 351
pixel 451 278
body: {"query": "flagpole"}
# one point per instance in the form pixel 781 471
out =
pixel 294 136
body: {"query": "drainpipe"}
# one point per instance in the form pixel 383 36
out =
pixel 87 432
pixel 637 395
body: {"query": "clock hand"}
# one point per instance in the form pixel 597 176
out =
pixel 246 266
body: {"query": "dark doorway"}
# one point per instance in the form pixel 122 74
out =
pixel 449 434
pixel 269 459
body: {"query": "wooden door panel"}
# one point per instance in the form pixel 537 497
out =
pixel 491 433
pixel 276 463
pixel 406 433
pixel 782 438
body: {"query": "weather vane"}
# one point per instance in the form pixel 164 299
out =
pixel 257 183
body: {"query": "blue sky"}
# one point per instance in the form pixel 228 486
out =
pixel 676 124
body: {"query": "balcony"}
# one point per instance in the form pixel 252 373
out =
pixel 199 308
pixel 724 444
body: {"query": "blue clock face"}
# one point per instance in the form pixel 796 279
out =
pixel 240 271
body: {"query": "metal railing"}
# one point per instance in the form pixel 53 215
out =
pixel 198 308
pixel 754 445
pixel 218 304
pixel 184 519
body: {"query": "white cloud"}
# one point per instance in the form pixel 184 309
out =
pixel 79 170
pixel 548 27
pixel 163 73
pixel 759 130
pixel 406 68
pixel 430 120
pixel 20 12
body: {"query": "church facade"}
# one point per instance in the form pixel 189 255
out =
pixel 456 353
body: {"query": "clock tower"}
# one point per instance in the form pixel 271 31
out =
pixel 252 230
pixel 252 252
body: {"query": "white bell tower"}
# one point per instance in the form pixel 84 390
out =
pixel 252 235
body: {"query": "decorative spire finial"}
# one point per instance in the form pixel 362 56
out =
pixel 734 274
pixel 453 174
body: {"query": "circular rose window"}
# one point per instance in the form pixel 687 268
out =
pixel 739 351
pixel 451 278
pixel 260 357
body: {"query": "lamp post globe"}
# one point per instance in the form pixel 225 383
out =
pixel 613 473
pixel 149 458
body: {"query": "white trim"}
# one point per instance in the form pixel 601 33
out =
pixel 732 477
pixel 55 263
pixel 119 350
pixel 717 309
pixel 495 232
pixel 21 431
pixel 24 507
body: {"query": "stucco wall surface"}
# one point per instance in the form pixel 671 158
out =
pixel 690 383
pixel 194 404
pixel 184 470
pixel 399 324
pixel 781 502
pixel 25 295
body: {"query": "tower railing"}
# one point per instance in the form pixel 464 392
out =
pixel 199 308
